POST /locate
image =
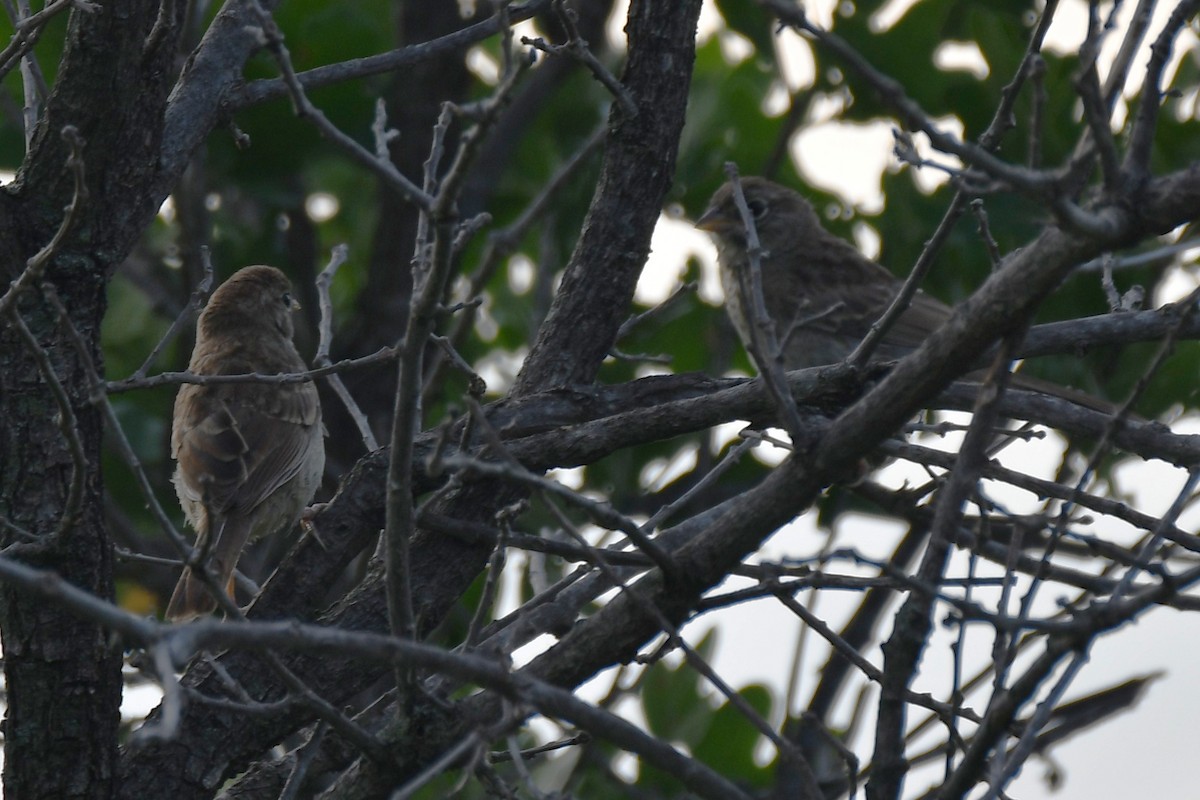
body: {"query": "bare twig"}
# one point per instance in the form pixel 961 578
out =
pixel 684 290
pixel 27 31
pixel 260 91
pixel 195 303
pixel 985 232
pixel 503 243
pixel 1136 168
pixel 430 279
pixel 1001 122
pixel 764 346
pixel 336 258
pixel 380 356
pixel 602 513
pixel 273 40
pixel 491 583
pixel 913 621
pixel 1095 110
pixel 304 758
pixel 912 115
pixel 577 48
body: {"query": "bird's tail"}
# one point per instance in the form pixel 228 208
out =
pixel 192 598
pixel 1080 398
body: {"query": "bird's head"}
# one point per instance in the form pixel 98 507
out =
pixel 254 299
pixel 779 214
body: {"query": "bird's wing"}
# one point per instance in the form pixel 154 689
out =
pixel 237 443
pixel 846 313
pixel 922 317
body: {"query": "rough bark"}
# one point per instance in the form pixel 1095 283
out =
pixel 639 164
pixel 63 674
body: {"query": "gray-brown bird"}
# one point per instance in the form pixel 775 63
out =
pixel 821 294
pixel 250 455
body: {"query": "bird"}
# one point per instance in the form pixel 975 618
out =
pixel 249 456
pixel 821 294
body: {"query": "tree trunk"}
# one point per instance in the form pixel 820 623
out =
pixel 63 674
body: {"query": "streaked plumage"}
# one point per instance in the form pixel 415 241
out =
pixel 250 455
pixel 821 293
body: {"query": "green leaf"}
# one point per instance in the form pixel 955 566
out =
pixel 750 20
pixel 672 700
pixel 728 746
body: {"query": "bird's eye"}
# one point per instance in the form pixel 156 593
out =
pixel 286 297
pixel 758 208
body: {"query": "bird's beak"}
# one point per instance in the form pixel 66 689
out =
pixel 295 304
pixel 713 221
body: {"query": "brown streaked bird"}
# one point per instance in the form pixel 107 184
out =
pixel 250 455
pixel 821 293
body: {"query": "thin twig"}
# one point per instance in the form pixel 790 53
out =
pixel 337 257
pixel 1136 167
pixel 304 757
pixel 382 355
pixel 1096 111
pixel 27 31
pixel 1038 184
pixel 273 40
pixel 195 303
pixel 430 280
pixel 764 346
pixel 503 243
pixel 261 91
pixel 494 570
pixel 602 513
pixel 1001 122
pixel 684 290
pixel 577 48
